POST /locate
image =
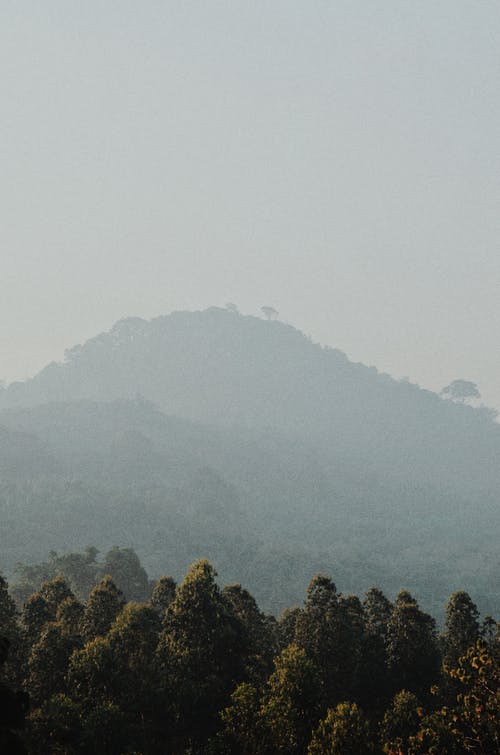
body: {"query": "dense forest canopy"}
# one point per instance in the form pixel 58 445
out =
pixel 191 668
pixel 213 433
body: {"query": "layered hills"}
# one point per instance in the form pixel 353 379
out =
pixel 212 433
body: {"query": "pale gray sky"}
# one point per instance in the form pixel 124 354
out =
pixel 337 159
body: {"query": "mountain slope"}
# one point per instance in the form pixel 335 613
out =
pixel 220 367
pixel 277 444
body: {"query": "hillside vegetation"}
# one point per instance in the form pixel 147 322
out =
pixel 210 433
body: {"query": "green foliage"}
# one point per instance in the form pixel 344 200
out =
pixel 103 606
pixel 344 731
pixel 258 632
pixel 54 593
pixel 55 726
pixel 291 701
pixel 200 651
pixel 10 632
pixel 401 721
pixel 163 594
pixel 201 671
pixel 35 615
pixel 69 616
pixel 48 663
pixel 373 684
pixel 474 720
pixel 287 626
pixel 115 676
pixel 243 729
pixel 461 629
pixel 8 625
pixel 412 651
pixel 330 629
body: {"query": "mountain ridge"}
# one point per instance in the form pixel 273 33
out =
pixel 225 432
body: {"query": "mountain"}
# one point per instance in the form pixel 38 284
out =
pixel 212 433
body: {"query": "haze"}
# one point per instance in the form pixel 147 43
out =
pixel 336 160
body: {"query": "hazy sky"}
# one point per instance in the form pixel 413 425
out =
pixel 337 159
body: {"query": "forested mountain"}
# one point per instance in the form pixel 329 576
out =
pixel 210 433
pixel 220 367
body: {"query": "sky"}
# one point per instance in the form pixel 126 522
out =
pixel 338 160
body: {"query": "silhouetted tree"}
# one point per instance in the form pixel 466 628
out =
pixel 126 571
pixel 461 629
pixel 372 683
pixel 258 632
pixel 461 390
pixel 10 631
pixel 412 652
pixel 269 313
pixel 331 635
pixel 13 709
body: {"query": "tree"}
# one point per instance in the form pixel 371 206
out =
pixel 372 683
pixel 401 721
pixel 13 708
pixel 69 617
pixel 34 617
pixel 461 391
pixel 412 651
pixel 469 724
pixel 344 731
pixel 461 629
pixel 200 652
pixel 55 726
pixel 126 571
pixel 291 701
pixel 55 592
pixel 48 662
pixel 490 632
pixel 104 604
pixel 78 569
pixel 329 628
pixel 269 313
pixel 8 623
pixel 163 594
pixel 120 669
pixel 287 625
pixel 10 631
pixel 243 729
pixel 258 636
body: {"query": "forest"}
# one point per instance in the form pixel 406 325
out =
pixel 250 377
pixel 238 439
pixel 96 662
pixel 214 438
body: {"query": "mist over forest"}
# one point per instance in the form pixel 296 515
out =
pixel 214 434
pixel 233 530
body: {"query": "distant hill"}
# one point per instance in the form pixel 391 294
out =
pixel 226 432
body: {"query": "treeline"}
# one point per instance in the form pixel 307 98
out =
pixel 202 670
